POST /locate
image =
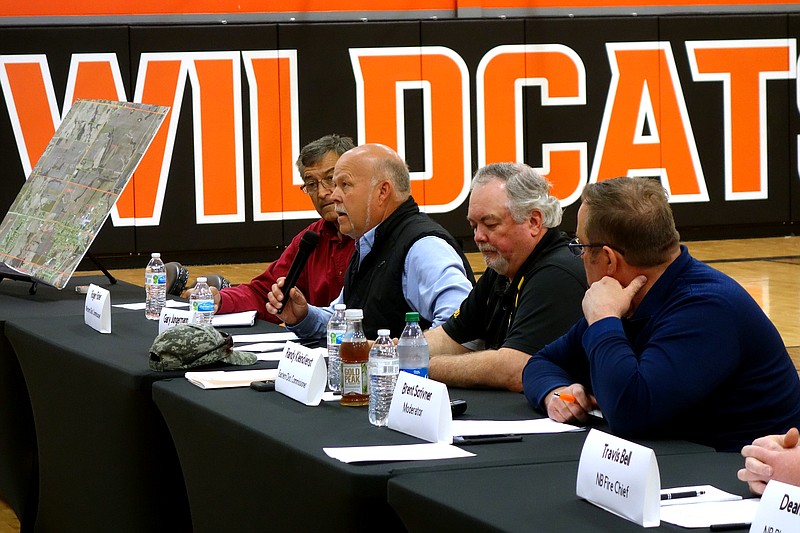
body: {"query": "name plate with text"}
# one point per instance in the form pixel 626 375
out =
pixel 302 374
pixel 97 309
pixel 621 477
pixel 171 317
pixel 421 407
pixel 779 509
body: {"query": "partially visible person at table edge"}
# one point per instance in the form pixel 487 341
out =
pixel 772 457
pixel 404 261
pixel 668 346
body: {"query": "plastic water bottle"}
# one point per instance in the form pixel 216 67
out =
pixel 201 301
pixel 383 369
pixel 336 328
pixel 155 287
pixel 412 348
pixel 354 352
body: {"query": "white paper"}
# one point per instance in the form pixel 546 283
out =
pixel 330 396
pixel 139 306
pixel 262 347
pixel 245 318
pixel 707 513
pixel 281 336
pixel 712 494
pixel 465 428
pixel 405 452
pixel 221 379
pixel 273 357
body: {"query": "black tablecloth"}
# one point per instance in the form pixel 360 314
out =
pixel 107 462
pixel 538 497
pixel 18 471
pixel 257 458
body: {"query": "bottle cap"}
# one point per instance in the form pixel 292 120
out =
pixel 412 316
pixel 340 307
pixel 155 254
pixel 354 314
pixel 384 332
pixel 201 279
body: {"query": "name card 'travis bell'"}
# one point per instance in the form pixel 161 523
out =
pixel 621 477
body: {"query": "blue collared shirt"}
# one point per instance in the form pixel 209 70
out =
pixel 434 272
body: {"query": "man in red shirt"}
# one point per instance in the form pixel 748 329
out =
pixel 323 276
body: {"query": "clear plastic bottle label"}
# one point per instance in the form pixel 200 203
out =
pixel 203 306
pixel 421 372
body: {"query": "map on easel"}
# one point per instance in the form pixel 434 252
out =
pixel 73 187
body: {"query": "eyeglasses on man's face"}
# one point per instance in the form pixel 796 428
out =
pixel 578 248
pixel 312 186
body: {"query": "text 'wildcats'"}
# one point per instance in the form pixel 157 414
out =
pixel 645 129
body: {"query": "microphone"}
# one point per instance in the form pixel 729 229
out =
pixel 307 244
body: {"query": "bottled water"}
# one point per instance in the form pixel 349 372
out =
pixel 336 328
pixel 412 348
pixel 201 301
pixel 354 352
pixel 383 369
pixel 155 287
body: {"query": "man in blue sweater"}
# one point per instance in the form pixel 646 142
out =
pixel 668 346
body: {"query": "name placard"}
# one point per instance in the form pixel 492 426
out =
pixel 421 407
pixel 302 374
pixel 779 509
pixel 171 317
pixel 97 309
pixel 621 477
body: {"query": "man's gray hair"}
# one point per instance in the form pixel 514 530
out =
pixel 313 152
pixel 527 191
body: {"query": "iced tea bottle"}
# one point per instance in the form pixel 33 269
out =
pixel 354 352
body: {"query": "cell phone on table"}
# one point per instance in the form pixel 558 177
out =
pixel 458 407
pixel 263 386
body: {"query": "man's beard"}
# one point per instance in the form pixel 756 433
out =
pixel 496 262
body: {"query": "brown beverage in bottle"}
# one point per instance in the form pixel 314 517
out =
pixel 355 381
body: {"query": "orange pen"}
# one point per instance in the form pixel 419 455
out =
pixel 566 397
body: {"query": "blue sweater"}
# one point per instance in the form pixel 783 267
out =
pixel 698 360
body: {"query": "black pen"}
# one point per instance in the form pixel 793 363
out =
pixel 729 527
pixel 485 439
pixel 687 494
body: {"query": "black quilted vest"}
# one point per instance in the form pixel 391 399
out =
pixel 377 287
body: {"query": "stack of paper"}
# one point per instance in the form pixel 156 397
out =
pixel 222 379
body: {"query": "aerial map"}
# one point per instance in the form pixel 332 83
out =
pixel 71 190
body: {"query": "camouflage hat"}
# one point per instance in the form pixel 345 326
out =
pixel 191 345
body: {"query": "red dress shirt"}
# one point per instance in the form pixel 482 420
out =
pixel 321 280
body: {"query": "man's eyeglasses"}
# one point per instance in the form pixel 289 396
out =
pixel 312 186
pixel 578 248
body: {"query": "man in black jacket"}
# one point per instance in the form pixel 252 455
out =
pixel 404 261
pixel 530 294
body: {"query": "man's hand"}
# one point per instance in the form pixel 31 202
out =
pixel 607 297
pixel 771 457
pixel 295 308
pixel 567 412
